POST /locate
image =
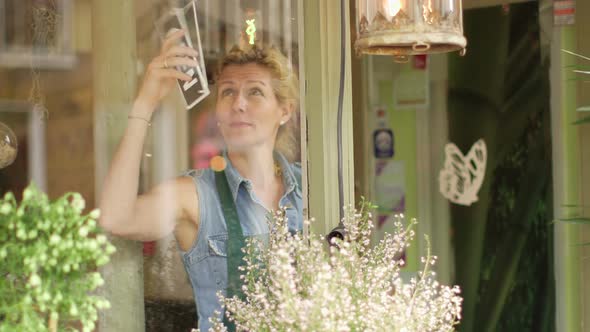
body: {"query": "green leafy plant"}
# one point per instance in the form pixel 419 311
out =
pixel 50 252
pixel 295 284
pixel 578 217
pixel 584 70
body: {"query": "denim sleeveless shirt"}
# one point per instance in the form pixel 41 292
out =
pixel 206 261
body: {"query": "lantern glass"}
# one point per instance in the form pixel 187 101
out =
pixel 405 27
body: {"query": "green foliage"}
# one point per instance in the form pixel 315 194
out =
pixel 529 290
pixel 583 120
pixel 584 71
pixel 579 218
pixel 50 252
pixel 503 243
pixel 576 220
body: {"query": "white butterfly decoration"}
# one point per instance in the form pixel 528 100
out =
pixel 462 176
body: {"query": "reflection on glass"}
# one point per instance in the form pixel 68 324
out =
pixel 244 157
pixel 250 120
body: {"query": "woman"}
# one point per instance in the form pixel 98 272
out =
pixel 210 212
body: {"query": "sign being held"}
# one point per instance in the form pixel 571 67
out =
pixel 185 19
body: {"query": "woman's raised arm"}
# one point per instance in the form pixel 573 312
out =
pixel 152 215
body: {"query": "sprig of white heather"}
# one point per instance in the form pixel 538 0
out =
pixel 295 284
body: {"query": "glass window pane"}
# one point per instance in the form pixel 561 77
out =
pixel 105 99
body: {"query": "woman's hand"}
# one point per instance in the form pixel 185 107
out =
pixel 162 72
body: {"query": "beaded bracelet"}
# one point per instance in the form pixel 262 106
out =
pixel 140 118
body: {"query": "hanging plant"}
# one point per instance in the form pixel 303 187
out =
pixel 50 252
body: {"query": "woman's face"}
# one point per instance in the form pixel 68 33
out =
pixel 248 111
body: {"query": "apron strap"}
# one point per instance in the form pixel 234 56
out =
pixel 235 241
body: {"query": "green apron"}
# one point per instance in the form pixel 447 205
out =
pixel 235 242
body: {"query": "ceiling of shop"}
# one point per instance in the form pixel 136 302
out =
pixel 468 4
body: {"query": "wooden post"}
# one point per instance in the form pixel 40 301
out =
pixel 583 29
pixel 321 64
pixel 114 59
pixel 566 180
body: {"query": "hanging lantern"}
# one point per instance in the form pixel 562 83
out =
pixel 408 27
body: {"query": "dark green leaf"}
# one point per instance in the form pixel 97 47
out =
pixel 577 67
pixel 580 79
pixel 576 220
pixel 575 54
pixel 583 120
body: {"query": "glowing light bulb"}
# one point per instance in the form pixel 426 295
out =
pixel 251 30
pixel 393 7
pixel 218 163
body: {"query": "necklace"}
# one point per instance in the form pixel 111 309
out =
pixel 278 170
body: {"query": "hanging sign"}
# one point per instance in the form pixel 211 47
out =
pixel 390 189
pixel 383 143
pixel 383 140
pixel 419 61
pixel 410 88
pixel 462 176
pixel 564 12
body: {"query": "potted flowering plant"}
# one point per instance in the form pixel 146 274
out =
pixel 295 284
pixel 50 252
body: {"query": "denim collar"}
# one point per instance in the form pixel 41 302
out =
pixel 235 179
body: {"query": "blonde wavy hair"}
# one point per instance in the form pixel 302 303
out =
pixel 285 87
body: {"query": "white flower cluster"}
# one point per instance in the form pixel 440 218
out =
pixel 50 252
pixel 295 284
